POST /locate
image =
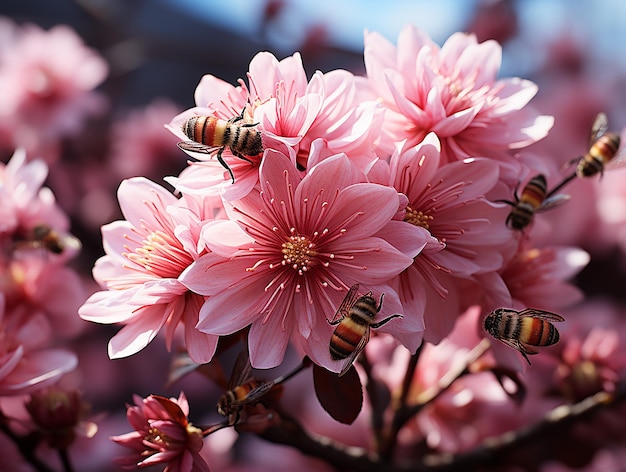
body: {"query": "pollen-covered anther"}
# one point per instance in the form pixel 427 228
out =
pixel 417 218
pixel 160 254
pixel 298 252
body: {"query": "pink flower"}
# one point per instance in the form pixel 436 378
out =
pixel 24 202
pixel 539 277
pixel 146 254
pixel 291 113
pixel 140 144
pixel 452 91
pixel 304 242
pixel 163 435
pixel 469 236
pixel 25 363
pixel 47 78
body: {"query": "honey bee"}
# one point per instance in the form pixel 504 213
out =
pixel 45 237
pixel 356 317
pixel 535 198
pixel 243 389
pixel 212 135
pixel 603 148
pixel 522 329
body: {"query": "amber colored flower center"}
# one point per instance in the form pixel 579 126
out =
pixel 298 252
pixel 161 254
pixel 417 218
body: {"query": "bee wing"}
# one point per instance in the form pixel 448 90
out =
pixel 193 146
pixel 348 301
pixel 541 314
pixel 518 346
pixel 553 201
pixel 241 370
pixel 599 127
pixel 253 395
pixel 357 350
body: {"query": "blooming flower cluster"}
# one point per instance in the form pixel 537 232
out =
pixel 400 182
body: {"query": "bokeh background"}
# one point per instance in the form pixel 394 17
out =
pixel 157 51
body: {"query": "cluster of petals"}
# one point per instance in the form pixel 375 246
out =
pixel 285 260
pixel 162 435
pixel 145 256
pixel 291 112
pixel 48 80
pixel 34 281
pixel 453 91
pixel 26 363
pixel 469 237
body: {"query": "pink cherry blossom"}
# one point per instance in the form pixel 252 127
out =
pixel 453 91
pixel 141 146
pixel 24 202
pixel 26 363
pixel 540 277
pixel 469 236
pixel 145 255
pixel 291 113
pixel 304 242
pixel 163 435
pixel 47 78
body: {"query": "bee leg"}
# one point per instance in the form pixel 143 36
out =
pixel 380 303
pixel 508 202
pixel 335 322
pixel 565 181
pixel 226 166
pixel 385 321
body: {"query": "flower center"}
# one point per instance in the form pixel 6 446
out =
pixel 161 254
pixel 417 218
pixel 298 252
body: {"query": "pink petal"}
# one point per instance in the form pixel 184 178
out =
pixel 139 198
pixel 138 333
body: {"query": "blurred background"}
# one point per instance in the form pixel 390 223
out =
pixel 157 51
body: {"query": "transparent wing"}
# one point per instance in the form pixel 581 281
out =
pixel 553 202
pixel 193 146
pixel 598 128
pixel 254 395
pixel 518 346
pixel 347 303
pixel 242 370
pixel 541 314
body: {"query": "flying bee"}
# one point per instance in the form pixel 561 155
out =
pixel 534 199
pixel 522 329
pixel 603 148
pixel 212 135
pixel 243 389
pixel 45 237
pixel 356 317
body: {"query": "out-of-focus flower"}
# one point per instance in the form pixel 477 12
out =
pixel 540 277
pixel 163 435
pixel 47 79
pixel 24 203
pixel 145 256
pixel 60 416
pixel 452 91
pixel 24 364
pixel 590 365
pixel 141 146
pixel 470 239
pixel 304 242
